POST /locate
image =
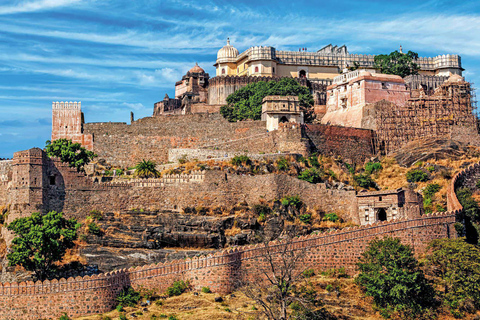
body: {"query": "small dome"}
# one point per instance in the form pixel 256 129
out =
pixel 196 69
pixel 455 78
pixel 227 52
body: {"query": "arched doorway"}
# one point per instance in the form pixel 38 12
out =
pixel 381 215
pixel 302 74
pixel 283 119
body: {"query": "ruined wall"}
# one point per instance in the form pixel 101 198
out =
pixel 150 138
pixel 351 144
pixel 220 272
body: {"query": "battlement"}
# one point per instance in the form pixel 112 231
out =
pixel 67 105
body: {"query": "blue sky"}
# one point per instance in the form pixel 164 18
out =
pixel 121 56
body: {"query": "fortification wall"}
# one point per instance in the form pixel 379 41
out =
pixel 354 144
pixel 5 177
pixel 150 138
pixel 341 248
pixel 220 272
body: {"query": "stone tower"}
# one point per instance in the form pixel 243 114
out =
pixel 67 123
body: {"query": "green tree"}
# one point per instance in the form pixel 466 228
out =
pixel 40 241
pixel 417 175
pixel 246 103
pixel 471 213
pixel 146 169
pixel 72 153
pixel 456 265
pixel 364 181
pixel 400 64
pixel 391 275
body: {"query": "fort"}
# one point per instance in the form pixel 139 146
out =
pixel 359 114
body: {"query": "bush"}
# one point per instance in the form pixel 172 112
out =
pixel 457 266
pixel 291 201
pixel 308 273
pixel 364 181
pixel 471 211
pixel 331 217
pixel 336 273
pixel 431 189
pixel 64 317
pixel 305 218
pixel 96 214
pixel 373 167
pixel 350 168
pixel 313 161
pixel 416 175
pixel 182 159
pixel 172 318
pixel 260 209
pixel 239 160
pixel 206 290
pixel 391 275
pixel 119 172
pixel 478 184
pixel 122 317
pixel 283 164
pixel 128 297
pixel 177 288
pixel 329 288
pixel 312 175
pixel 94 229
pixel 431 168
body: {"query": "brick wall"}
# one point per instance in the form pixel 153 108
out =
pixel 349 143
pixel 95 294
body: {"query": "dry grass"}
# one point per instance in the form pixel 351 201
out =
pixel 233 231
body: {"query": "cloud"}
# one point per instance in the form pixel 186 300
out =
pixel 30 6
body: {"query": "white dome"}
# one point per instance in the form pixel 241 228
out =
pixel 227 53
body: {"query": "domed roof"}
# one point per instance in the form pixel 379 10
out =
pixel 196 69
pixel 455 78
pixel 227 52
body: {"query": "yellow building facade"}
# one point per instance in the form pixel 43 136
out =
pixel 323 64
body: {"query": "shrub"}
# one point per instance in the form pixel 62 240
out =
pixel 329 288
pixel 312 175
pixel 261 217
pixel 119 172
pixel 332 174
pixel 177 288
pixel 313 161
pixel 94 229
pixel 292 201
pixel 119 308
pixel 206 290
pixel 364 181
pixel 331 217
pixel 108 173
pixel 478 184
pixel 373 167
pixel 416 175
pixel 457 266
pixel 472 214
pixel 308 273
pixel 122 317
pixel 182 159
pixel 172 318
pixel 239 160
pixel 391 275
pixel 96 214
pixel 283 164
pixel 64 317
pixel 431 168
pixel 106 318
pixel 260 209
pixel 336 273
pixel 305 218
pixel 350 168
pixel 128 297
pixel 431 189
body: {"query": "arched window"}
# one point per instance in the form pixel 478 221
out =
pixel 223 70
pixel 256 69
pixel 302 74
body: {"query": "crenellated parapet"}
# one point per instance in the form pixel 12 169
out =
pixel 67 105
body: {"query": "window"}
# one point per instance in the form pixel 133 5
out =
pixel 52 180
pixel 256 69
pixel 273 70
pixel 366 217
pixel 384 85
pixel 223 70
pixel 379 198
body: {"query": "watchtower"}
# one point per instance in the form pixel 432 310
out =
pixel 281 109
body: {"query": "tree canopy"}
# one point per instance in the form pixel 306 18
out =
pixel 400 64
pixel 391 275
pixel 456 264
pixel 146 169
pixel 40 241
pixel 246 103
pixel 72 153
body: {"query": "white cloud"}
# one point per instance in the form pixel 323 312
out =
pixel 30 6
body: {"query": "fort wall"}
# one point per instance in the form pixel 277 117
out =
pixel 352 144
pixel 151 138
pixel 220 272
